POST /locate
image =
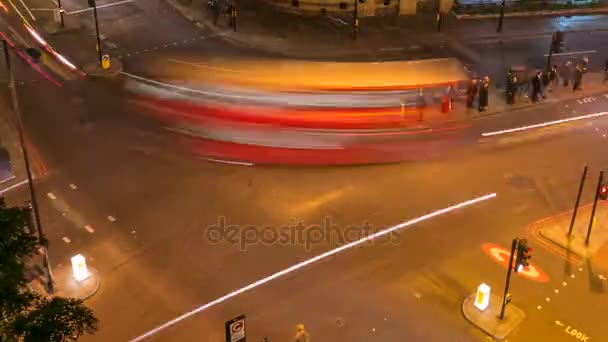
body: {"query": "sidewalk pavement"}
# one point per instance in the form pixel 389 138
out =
pixel 556 230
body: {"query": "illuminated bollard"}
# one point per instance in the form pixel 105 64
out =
pixel 79 268
pixel 482 298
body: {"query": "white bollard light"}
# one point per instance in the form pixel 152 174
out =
pixel 79 268
pixel 482 298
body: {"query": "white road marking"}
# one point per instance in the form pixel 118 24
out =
pixel 66 239
pixel 559 323
pixel 572 53
pixel 111 219
pixel 73 186
pixel 13 187
pixel 544 124
pixel 572 276
pixel 89 228
pixel 548 299
pixel 98 7
pixel 556 291
pixel 51 196
pixel 199 25
pixel 400 227
pixel 539 307
pixel 580 269
pixel 602 277
pixel 28 10
pixel 229 162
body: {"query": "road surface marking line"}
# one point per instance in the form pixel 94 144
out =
pixel 73 186
pixel 66 239
pixel 400 227
pixel 544 124
pixel 229 162
pixel 548 299
pixel 539 307
pixel 51 196
pixel 571 53
pixel 98 7
pixel 580 269
pixel 111 219
pixel 89 228
pixel 199 25
pixel 13 187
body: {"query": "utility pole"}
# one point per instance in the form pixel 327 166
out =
pixel 502 16
pixel 93 4
pixel 17 110
pixel 578 200
pixel 597 195
pixel 509 269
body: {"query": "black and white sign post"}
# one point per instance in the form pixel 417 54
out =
pixel 235 329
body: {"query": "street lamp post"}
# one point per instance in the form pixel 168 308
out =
pixel 15 100
pixel 502 16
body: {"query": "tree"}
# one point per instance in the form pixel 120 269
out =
pixel 24 314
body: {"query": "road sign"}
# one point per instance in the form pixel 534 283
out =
pixel 501 255
pixel 105 62
pixel 235 329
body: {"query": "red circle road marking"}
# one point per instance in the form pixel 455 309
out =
pixel 237 327
pixel 501 255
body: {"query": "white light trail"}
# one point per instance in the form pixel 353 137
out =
pixel 544 124
pixel 311 261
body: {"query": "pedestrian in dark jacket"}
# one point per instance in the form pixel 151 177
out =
pixel 511 88
pixel 536 86
pixel 567 73
pixel 553 77
pixel 483 94
pixel 472 92
pixel 578 77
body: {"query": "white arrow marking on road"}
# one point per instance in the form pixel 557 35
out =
pixel 400 227
pixel 498 253
pixel 89 229
pixel 51 196
pixel 559 323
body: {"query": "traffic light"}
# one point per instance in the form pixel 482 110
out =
pixel 604 191
pixel 557 42
pixel 523 255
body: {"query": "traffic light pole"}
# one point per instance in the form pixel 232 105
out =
pixel 60 13
pixel 578 200
pixel 509 269
pixel 17 110
pixel 356 20
pixel 502 16
pixel 94 3
pixel 597 195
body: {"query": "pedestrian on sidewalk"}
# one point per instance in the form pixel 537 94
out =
pixel 553 78
pixel 566 73
pixel 483 94
pixel 472 90
pixel 511 88
pixel 578 77
pixel 536 86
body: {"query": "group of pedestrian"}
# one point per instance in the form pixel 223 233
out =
pixel 478 88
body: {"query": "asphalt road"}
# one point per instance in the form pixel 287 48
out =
pixel 157 261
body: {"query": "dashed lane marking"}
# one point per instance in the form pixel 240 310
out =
pixel 66 239
pixel 73 186
pixel 89 228
pixel 111 219
pixel 51 196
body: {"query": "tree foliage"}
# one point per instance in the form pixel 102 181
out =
pixel 24 314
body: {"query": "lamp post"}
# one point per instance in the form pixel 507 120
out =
pixel 93 4
pixel 15 100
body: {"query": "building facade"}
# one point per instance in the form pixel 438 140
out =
pixel 368 8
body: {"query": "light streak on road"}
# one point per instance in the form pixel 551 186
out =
pixel 29 61
pixel 544 124
pixel 401 226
